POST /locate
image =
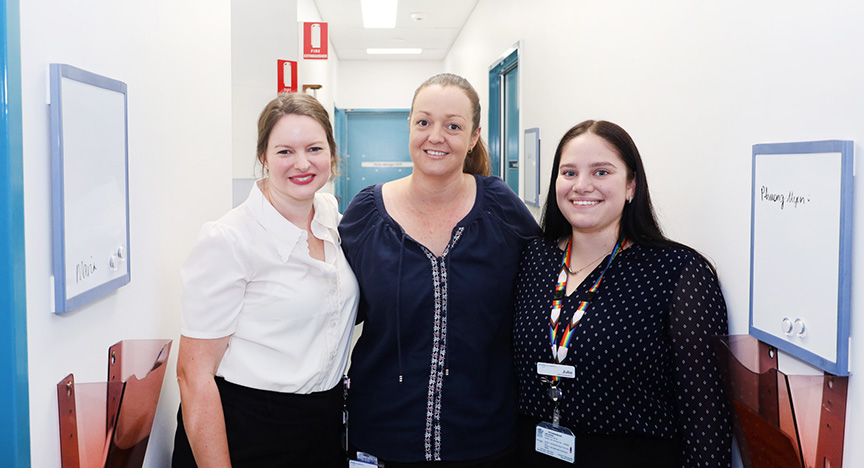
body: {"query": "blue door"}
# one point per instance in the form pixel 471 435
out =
pixel 510 77
pixel 504 119
pixel 374 148
pixel 14 411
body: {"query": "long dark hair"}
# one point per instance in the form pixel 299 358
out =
pixel 638 222
pixel 477 160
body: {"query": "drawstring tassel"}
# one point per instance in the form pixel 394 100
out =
pixel 398 306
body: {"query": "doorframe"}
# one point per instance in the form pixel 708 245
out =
pixel 340 131
pixel 340 134
pixel 506 62
pixel 14 416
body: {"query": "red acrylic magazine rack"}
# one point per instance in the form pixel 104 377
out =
pixel 790 421
pixel 107 424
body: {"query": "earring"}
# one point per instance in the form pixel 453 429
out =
pixel 470 150
pixel 629 199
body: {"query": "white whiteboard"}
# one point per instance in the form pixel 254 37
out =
pixel 800 246
pixel 90 195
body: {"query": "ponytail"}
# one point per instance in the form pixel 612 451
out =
pixel 477 162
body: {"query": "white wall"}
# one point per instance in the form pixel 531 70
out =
pixel 316 71
pixel 262 32
pixel 382 84
pixel 696 84
pixel 174 55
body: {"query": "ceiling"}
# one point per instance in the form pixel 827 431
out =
pixel 441 22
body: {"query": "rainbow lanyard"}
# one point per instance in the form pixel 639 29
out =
pixel 559 349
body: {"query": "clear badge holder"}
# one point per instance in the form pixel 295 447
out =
pixel 553 439
pixel 107 424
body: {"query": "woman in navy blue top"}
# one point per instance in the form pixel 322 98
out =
pixel 613 323
pixel 436 256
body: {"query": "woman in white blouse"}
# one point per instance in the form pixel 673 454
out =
pixel 269 304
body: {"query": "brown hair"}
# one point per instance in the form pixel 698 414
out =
pixel 294 104
pixel 638 221
pixel 477 161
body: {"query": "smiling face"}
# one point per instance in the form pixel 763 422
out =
pixel 593 185
pixel 441 130
pixel 297 158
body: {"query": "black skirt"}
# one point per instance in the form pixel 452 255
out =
pixel 275 429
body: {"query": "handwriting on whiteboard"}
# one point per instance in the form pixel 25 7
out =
pixel 783 199
pixel 83 270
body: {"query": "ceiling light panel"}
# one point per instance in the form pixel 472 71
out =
pixel 395 51
pixel 378 13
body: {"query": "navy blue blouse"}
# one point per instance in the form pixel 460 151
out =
pixel 431 374
pixel 642 352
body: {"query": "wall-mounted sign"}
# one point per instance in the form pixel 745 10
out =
pixel 286 73
pixel 531 174
pixel 315 41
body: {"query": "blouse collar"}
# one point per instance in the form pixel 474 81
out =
pixel 285 234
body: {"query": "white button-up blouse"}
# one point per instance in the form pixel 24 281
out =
pixel 289 316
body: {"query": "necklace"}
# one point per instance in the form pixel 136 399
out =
pixel 567 266
pixel 559 347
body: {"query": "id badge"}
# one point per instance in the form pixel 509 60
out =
pixel 555 441
pixel 364 460
pixel 556 370
pixel 359 464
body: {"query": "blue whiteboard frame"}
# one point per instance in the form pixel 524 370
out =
pixel 840 365
pixel 59 177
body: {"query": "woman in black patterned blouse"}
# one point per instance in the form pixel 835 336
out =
pixel 613 323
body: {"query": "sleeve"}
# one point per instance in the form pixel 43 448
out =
pixel 511 210
pixel 698 313
pixel 354 227
pixel 355 222
pixel 214 283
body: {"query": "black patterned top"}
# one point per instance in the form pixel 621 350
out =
pixel 642 352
